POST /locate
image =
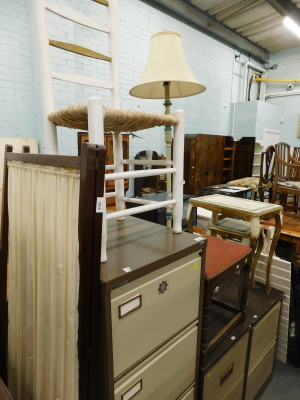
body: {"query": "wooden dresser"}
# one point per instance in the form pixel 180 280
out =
pixel 215 159
pixel 208 160
pixel 151 294
pixel 108 143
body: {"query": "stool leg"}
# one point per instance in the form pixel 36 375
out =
pixel 205 322
pixel 256 257
pixel 245 274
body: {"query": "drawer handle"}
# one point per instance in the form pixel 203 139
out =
pixel 129 306
pixel 226 374
pixel 132 391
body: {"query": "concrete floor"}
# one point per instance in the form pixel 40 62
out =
pixel 285 384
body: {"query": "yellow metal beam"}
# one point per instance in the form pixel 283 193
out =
pixel 276 80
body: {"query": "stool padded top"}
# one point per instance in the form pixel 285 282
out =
pixel 221 254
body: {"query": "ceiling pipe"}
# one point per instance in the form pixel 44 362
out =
pixel 282 94
pixel 207 23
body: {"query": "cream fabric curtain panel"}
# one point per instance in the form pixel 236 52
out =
pixel 43 282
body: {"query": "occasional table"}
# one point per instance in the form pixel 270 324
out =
pixel 249 210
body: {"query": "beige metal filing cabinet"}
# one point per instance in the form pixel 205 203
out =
pixel 223 376
pixel 262 343
pixel 151 289
pixel 262 318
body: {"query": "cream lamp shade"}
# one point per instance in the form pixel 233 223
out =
pixel 166 63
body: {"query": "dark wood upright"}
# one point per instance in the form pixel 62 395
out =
pixel 203 162
pixel 108 143
pixel 243 158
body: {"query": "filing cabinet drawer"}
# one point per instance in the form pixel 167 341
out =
pixel 190 395
pixel 224 375
pixel 264 334
pixel 236 393
pixel 147 312
pixel 165 374
pixel 260 372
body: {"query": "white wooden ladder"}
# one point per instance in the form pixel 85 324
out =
pixel 40 7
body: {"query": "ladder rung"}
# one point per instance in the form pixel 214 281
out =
pixel 76 16
pixel 104 2
pixel 81 79
pixel 74 48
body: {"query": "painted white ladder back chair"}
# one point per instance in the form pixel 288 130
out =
pixel 101 119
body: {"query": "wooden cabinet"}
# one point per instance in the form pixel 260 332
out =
pixel 213 159
pixel 151 291
pixel 204 163
pixel 108 143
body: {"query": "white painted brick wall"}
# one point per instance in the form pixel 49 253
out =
pixel 211 62
pixel 17 104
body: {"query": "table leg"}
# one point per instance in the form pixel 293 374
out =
pixel 215 217
pixel 256 257
pixel 272 250
pixel 189 218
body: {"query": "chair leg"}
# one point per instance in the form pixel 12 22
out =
pixel 261 193
pixel 270 195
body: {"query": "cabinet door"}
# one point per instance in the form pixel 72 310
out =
pixel 203 159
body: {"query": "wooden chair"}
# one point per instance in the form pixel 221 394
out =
pixel 263 182
pixel 287 175
pixel 223 258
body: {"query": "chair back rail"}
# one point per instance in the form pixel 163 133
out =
pixel 286 178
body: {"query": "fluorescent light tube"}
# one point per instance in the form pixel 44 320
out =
pixel 292 26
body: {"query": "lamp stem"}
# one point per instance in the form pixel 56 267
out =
pixel 168 140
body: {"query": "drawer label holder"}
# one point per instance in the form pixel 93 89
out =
pixel 132 391
pixel 226 374
pixel 130 306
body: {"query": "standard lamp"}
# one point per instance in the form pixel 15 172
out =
pixel 167 75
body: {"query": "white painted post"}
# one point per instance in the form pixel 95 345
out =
pixel 178 182
pixel 114 70
pixel 45 75
pixel 96 136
